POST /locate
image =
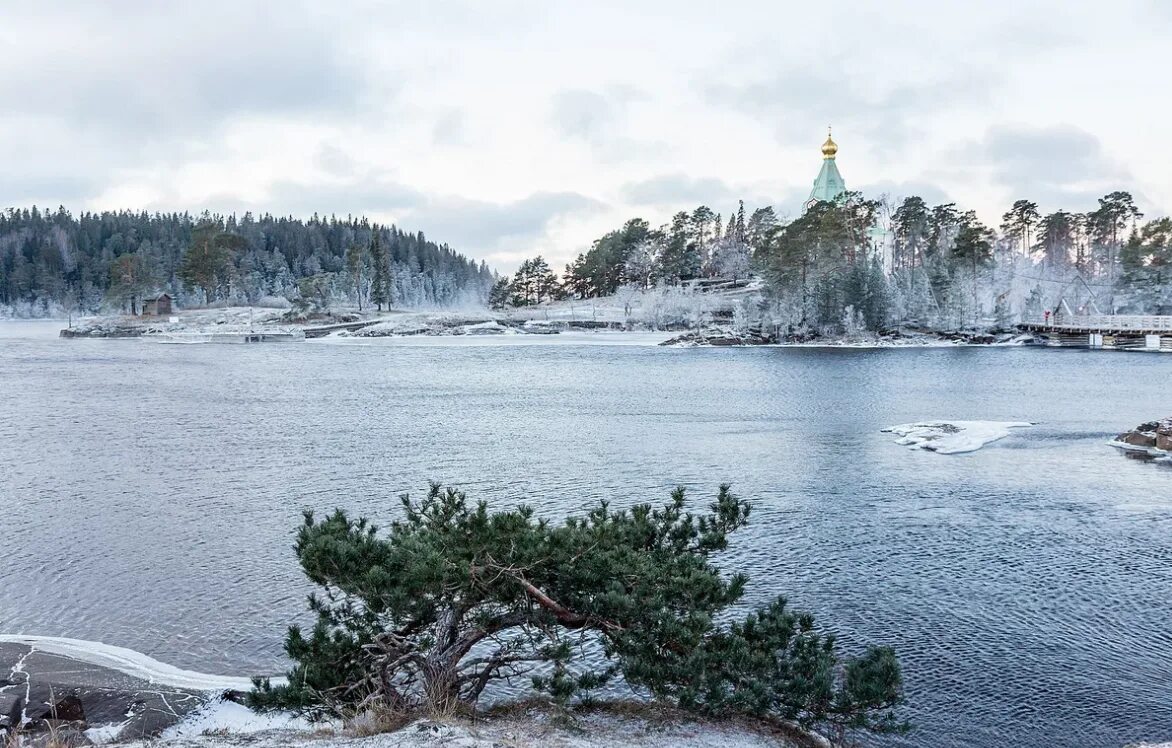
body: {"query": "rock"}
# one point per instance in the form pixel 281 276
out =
pixel 12 723
pixel 68 709
pixel 1153 435
pixel 1136 439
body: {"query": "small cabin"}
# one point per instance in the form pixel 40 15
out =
pixel 158 306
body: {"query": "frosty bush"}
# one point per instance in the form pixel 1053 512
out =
pixel 453 597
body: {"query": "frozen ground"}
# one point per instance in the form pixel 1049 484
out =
pixel 623 728
pixel 953 437
pixel 568 337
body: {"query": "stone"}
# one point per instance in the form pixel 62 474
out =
pixel 68 709
pixel 1164 442
pixel 1137 439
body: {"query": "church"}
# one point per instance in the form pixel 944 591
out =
pixel 829 184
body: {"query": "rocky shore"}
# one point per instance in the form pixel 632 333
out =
pixel 50 699
pixel 728 337
pixel 47 694
pixel 1148 440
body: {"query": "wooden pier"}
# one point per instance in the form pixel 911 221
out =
pixel 1135 332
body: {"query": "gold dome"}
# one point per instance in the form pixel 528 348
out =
pixel 829 148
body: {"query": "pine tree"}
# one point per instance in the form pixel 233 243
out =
pixel 356 256
pixel 501 294
pixel 380 286
pixel 410 621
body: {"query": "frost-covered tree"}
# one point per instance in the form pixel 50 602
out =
pixel 357 258
pixel 1146 259
pixel 501 294
pixel 381 284
pixel 1017 223
pixel 731 259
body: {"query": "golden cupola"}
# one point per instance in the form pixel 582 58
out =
pixel 829 148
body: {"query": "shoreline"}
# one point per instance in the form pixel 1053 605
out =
pixel 244 325
pixel 104 694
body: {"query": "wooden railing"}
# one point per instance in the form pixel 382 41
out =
pixel 1106 322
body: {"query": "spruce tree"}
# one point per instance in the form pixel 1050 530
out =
pixel 380 286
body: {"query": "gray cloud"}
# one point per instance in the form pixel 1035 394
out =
pixel 449 129
pixel 797 103
pixel 897 191
pixel 471 226
pixel 599 120
pixel 583 114
pixel 1059 166
pixel 475 225
pixel 45 190
pixel 669 189
pixel 163 72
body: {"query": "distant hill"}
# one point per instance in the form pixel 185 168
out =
pixel 106 261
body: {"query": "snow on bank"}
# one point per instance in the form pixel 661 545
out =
pixel 129 662
pixel 566 338
pixel 601 730
pixel 229 717
pixel 953 437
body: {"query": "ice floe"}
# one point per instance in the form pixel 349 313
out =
pixel 953 437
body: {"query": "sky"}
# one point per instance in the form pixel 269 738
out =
pixel 509 128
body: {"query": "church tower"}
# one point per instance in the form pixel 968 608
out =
pixel 829 184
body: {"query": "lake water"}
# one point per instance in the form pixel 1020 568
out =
pixel 149 495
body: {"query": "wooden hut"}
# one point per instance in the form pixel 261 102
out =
pixel 157 306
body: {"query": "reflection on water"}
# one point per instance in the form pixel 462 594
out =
pixel 149 494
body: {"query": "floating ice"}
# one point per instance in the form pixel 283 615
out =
pixel 129 662
pixel 953 437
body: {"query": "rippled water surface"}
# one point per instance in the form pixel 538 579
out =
pixel 149 494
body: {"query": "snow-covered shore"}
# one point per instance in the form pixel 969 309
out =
pixel 621 725
pixel 119 696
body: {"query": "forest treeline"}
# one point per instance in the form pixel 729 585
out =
pixel 110 261
pixel 858 263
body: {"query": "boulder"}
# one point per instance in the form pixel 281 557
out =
pixel 1150 435
pixel 68 709
pixel 1137 439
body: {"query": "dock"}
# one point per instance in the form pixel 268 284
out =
pixel 1135 332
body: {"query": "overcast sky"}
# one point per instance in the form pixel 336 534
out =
pixel 509 128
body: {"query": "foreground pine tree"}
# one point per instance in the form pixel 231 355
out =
pixel 452 597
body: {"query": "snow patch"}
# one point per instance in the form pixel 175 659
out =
pixel 106 733
pixel 228 717
pixel 953 437
pixel 129 662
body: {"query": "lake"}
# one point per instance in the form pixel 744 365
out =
pixel 149 495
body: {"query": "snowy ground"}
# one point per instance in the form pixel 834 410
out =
pixel 119 675
pixel 569 337
pixel 622 728
pixel 953 437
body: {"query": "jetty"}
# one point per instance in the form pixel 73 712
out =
pixel 1120 332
